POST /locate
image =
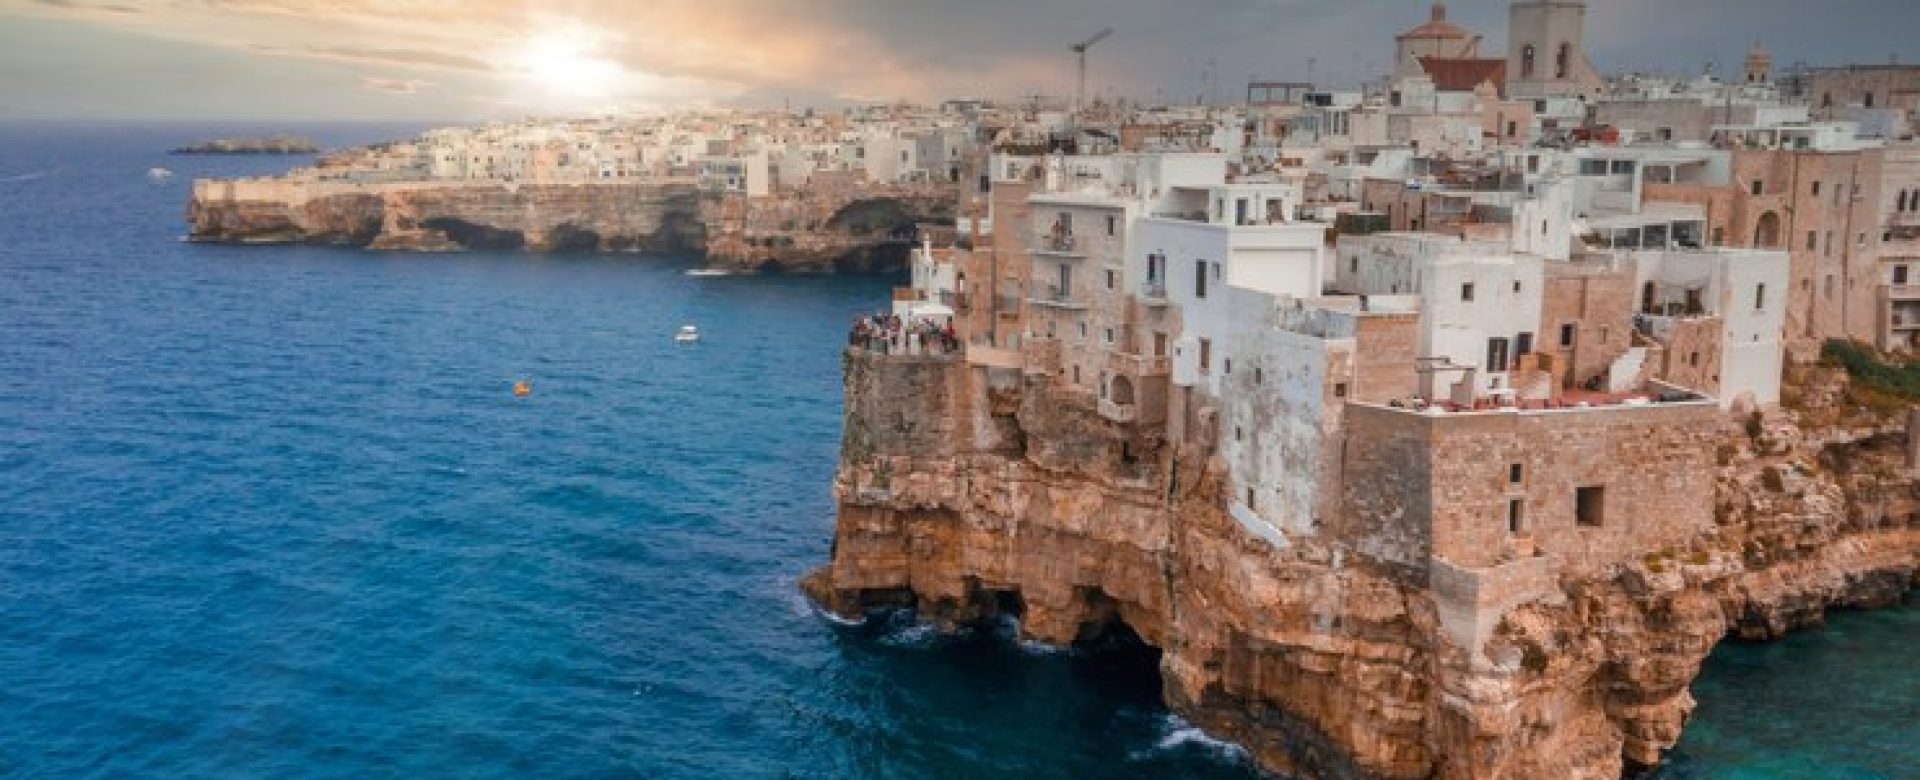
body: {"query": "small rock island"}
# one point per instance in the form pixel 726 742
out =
pixel 267 144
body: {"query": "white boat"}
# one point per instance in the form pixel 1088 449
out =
pixel 159 174
pixel 688 333
pixel 708 272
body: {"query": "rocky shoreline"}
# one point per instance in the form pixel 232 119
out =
pixel 967 500
pixel 856 230
pixel 277 144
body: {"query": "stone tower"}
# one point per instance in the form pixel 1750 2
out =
pixel 1546 49
pixel 1759 65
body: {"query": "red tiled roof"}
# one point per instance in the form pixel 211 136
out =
pixel 1463 74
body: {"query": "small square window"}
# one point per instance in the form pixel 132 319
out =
pixel 1590 506
pixel 1566 335
pixel 1339 389
pixel 1466 292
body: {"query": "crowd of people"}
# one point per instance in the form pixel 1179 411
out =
pixel 892 334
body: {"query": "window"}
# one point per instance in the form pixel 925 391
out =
pixel 1719 236
pixel 1693 359
pixel 1109 335
pixel 1076 375
pixel 1900 275
pixel 1526 61
pixel 1566 336
pixel 1238 434
pixel 1216 272
pixel 1466 291
pixel 1496 354
pixel 1523 344
pixel 1516 285
pixel 1589 506
pixel 1515 473
pixel 1759 296
pixel 1199 278
pixel 1339 389
pixel 1829 250
pixel 1113 224
pixel 1113 279
pixel 1816 188
pixel 1756 186
pixel 1563 62
pixel 1353 264
pixel 1206 355
pixel 1813 240
pixel 1249 498
pixel 1259 376
pixel 1226 366
pixel 1515 512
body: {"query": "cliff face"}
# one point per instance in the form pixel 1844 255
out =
pixel 855 227
pixel 593 217
pixel 966 497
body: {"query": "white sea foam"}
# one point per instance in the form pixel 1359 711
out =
pixel 913 635
pixel 25 176
pixel 1177 733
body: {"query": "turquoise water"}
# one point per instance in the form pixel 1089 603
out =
pixel 274 512
pixel 1837 702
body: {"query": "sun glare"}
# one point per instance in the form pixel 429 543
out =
pixel 569 65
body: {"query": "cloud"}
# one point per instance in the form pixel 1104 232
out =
pixel 768 51
pixel 394 85
pixel 380 56
pixel 71 5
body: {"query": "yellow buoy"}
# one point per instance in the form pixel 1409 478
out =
pixel 522 387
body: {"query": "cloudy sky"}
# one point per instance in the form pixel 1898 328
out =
pixel 419 60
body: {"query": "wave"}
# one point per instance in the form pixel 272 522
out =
pixel 18 177
pixel 1177 733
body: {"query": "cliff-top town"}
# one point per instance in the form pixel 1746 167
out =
pixel 1436 428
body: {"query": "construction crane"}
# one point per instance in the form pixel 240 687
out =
pixel 1080 94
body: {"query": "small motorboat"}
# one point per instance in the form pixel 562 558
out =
pixel 687 334
pixel 158 175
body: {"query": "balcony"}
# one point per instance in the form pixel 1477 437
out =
pixel 1153 292
pixel 1065 245
pixel 1120 413
pixel 1139 365
pixel 1055 296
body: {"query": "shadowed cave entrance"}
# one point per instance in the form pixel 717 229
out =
pixel 1109 653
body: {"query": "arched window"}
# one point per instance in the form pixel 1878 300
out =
pixel 1526 61
pixel 1563 61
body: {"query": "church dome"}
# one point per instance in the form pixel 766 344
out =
pixel 1437 27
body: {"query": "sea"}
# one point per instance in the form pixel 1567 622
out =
pixel 277 512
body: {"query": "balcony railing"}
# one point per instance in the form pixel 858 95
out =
pixel 1065 244
pixel 1120 413
pixel 1153 290
pixel 1139 365
pixel 1055 295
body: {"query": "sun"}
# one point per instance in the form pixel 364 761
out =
pixel 568 64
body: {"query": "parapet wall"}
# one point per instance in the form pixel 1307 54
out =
pixel 1479 488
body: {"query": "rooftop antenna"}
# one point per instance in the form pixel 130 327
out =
pixel 1080 50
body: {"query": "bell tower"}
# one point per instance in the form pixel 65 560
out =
pixel 1759 66
pixel 1546 49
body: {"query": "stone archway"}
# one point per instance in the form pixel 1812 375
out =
pixel 1766 232
pixel 1120 390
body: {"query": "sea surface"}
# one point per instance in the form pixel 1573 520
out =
pixel 275 512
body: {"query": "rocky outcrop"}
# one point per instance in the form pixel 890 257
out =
pixel 856 227
pixel 968 493
pixel 426 217
pixel 852 227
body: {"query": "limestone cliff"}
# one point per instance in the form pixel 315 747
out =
pixel 967 493
pixel 857 226
pixel 590 217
